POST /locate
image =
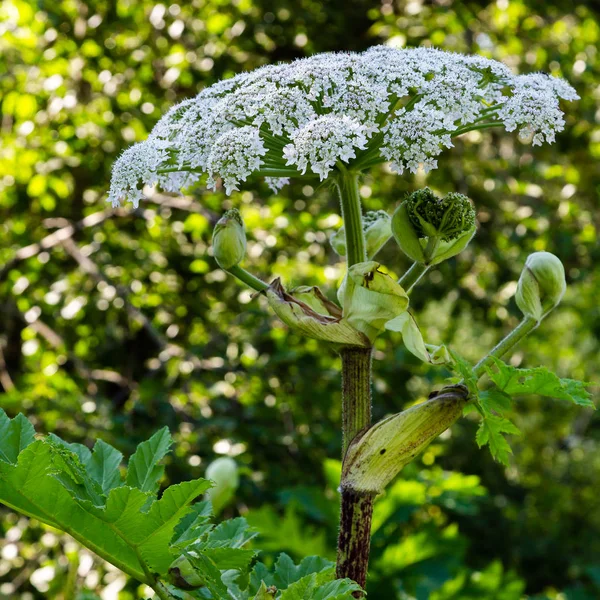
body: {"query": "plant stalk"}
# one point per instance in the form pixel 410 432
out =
pixel 413 276
pixel 526 326
pixel 354 540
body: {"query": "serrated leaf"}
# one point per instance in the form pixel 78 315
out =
pixel 82 452
pixel 193 525
pixel 206 569
pixel 300 590
pixel 340 589
pixel 230 558
pixel 491 432
pixel 260 575
pixel 539 380
pixel 233 533
pixel 494 401
pixel 143 472
pixel 286 572
pixel 72 474
pixel 29 488
pixel 314 564
pixel 15 435
pixel 103 466
pixel 162 518
pixel 463 368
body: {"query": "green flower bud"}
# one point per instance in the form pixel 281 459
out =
pixel 446 218
pixel 429 229
pixel 541 285
pixel 184 575
pixel 377 229
pixel 372 298
pixel 223 472
pixel 229 239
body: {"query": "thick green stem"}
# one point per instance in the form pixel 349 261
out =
pixel 526 326
pixel 412 276
pixel 347 184
pixel 354 540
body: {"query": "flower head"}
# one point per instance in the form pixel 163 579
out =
pixel 286 120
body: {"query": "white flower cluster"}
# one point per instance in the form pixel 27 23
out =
pixel 280 121
pixel 323 141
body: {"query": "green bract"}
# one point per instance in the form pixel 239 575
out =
pixel 229 239
pixel 430 229
pixel 541 285
pixel 372 298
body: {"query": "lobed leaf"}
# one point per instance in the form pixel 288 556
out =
pixel 143 471
pixel 539 380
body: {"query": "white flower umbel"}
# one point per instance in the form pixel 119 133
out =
pixel 308 117
pixel 323 141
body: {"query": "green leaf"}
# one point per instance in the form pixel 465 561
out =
pixel 490 432
pixel 230 558
pixel 15 435
pixel 301 589
pixel 29 488
pixel 143 472
pixel 340 589
pixel 193 525
pixel 208 572
pixel 264 593
pixel 539 380
pixel 103 466
pixel 494 401
pixel 162 518
pixel 233 533
pixel 465 370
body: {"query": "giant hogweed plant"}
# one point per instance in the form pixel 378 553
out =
pixel 331 116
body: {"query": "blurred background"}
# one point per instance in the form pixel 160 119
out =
pixel 114 323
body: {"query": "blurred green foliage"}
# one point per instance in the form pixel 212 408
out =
pixel 111 326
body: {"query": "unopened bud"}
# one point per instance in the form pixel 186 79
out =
pixel 223 472
pixel 184 575
pixel 377 229
pixel 424 218
pixel 229 239
pixel 541 285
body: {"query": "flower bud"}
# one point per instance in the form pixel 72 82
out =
pixel 541 285
pixel 229 239
pixel 429 229
pixel 223 472
pixel 377 230
pixel 184 575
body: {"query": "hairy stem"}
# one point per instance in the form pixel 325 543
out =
pixel 526 326
pixel 354 540
pixel 356 508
